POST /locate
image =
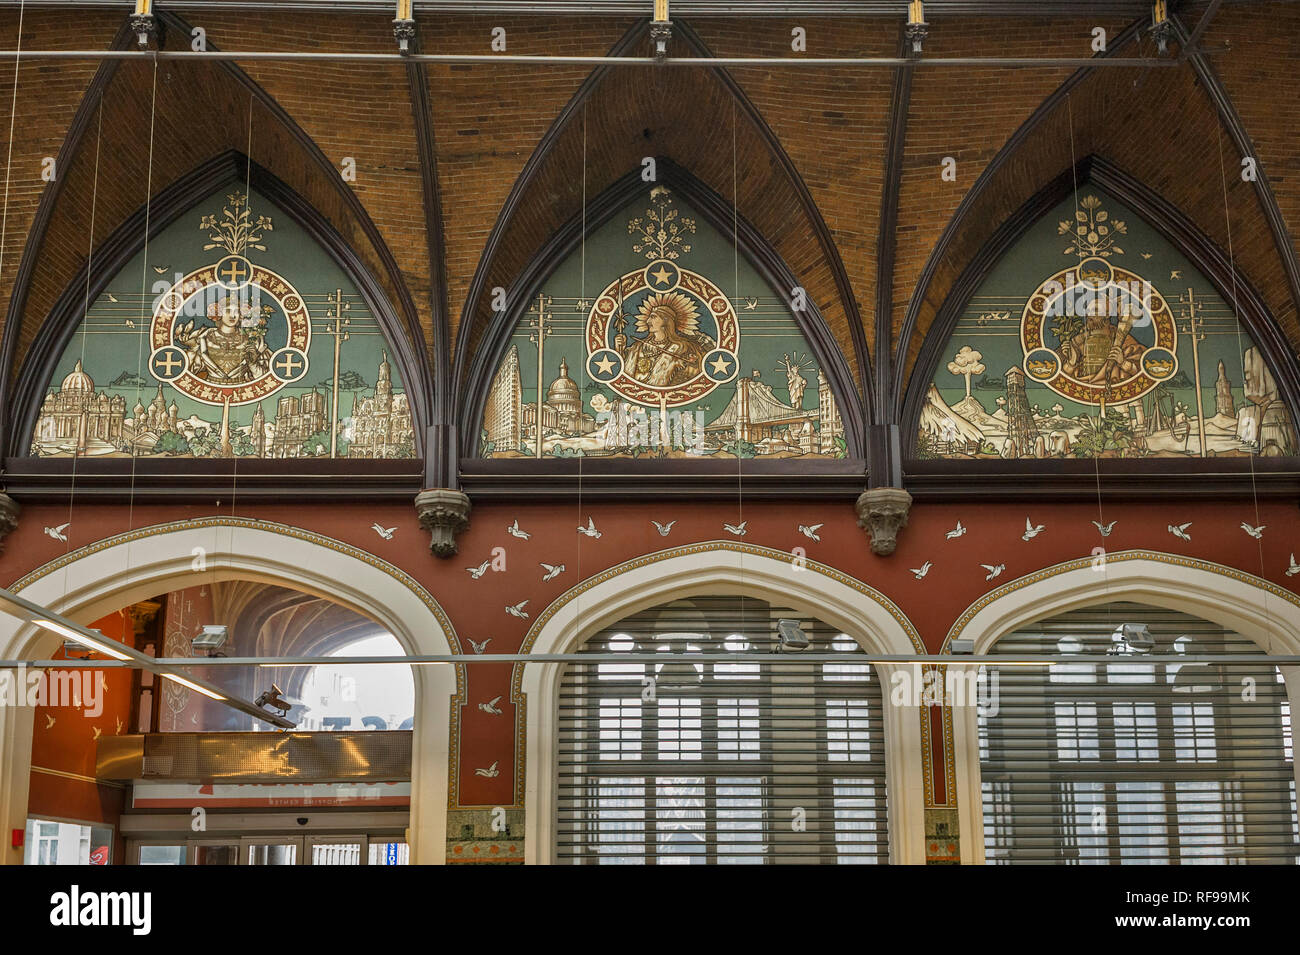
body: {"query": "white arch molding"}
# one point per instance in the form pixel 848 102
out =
pixel 1253 607
pixel 100 578
pixel 719 568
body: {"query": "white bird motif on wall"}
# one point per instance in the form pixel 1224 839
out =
pixel 1180 530
pixel 919 572
pixel 518 609
pixel 663 529
pixel 590 529
pixel 514 531
pixel 552 570
pixel 491 706
pixel 955 532
pixel 479 647
pixel 57 532
pixel 491 772
pixel 480 570
pixel 1255 532
pixel 737 529
pixel 1105 528
pixel 993 571
pixel 1031 530
pixel 385 532
pixel 811 531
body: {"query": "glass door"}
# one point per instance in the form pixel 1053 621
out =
pixel 336 850
pixel 271 850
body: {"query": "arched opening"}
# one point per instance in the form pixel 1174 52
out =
pixel 1129 754
pixel 690 580
pixel 95 581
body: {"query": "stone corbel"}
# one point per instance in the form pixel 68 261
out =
pixel 882 512
pixel 444 513
pixel 9 512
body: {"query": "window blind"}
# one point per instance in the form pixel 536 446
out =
pixel 1120 761
pixel 727 763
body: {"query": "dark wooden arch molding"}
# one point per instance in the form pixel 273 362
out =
pixel 1044 109
pixel 468 367
pixel 44 210
pixel 719 214
pixel 128 239
pixel 1236 128
pixel 1231 284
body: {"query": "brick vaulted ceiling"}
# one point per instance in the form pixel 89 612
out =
pixel 811 171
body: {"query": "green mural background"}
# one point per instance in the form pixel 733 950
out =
pixel 766 398
pixel 985 401
pixel 107 398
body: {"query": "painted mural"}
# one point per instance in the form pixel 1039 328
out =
pixel 1092 338
pixel 232 335
pixel 656 340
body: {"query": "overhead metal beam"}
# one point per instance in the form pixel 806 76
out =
pixel 509 59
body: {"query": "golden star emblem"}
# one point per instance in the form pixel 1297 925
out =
pixel 720 365
pixel 662 276
pixel 605 365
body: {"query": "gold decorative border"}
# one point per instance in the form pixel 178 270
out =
pixel 311 537
pixel 519 698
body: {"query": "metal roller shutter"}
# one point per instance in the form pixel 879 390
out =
pixel 751 762
pixel 1121 761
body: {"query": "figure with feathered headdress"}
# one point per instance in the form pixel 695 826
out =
pixel 673 347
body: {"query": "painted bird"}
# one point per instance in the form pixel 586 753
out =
pixel 57 532
pixel 111 296
pixel 491 772
pixel 552 570
pixel 1294 568
pixel 129 323
pixel 514 531
pixel 1105 528
pixel 1255 532
pixel 993 571
pixel 919 572
pixel 1146 255
pixel 663 529
pixel 811 531
pixel 160 269
pixel 1176 273
pixel 751 303
pixel 491 706
pixel 1031 530
pixel 737 529
pixel 956 531
pixel 385 532
pixel 49 722
pixel 1180 530
pixel 480 570
pixel 480 647
pixel 518 610
pixel 590 529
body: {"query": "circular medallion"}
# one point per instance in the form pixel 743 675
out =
pixel 1097 333
pixel 662 335
pixel 233 332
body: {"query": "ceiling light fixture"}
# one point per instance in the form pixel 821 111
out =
pixel 661 30
pixel 917 29
pixel 404 26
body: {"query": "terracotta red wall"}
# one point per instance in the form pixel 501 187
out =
pixel 476 607
pixel 64 740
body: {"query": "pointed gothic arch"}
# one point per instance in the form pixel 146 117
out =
pixel 1166 219
pixel 719 214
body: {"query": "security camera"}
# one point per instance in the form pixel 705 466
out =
pixel 792 638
